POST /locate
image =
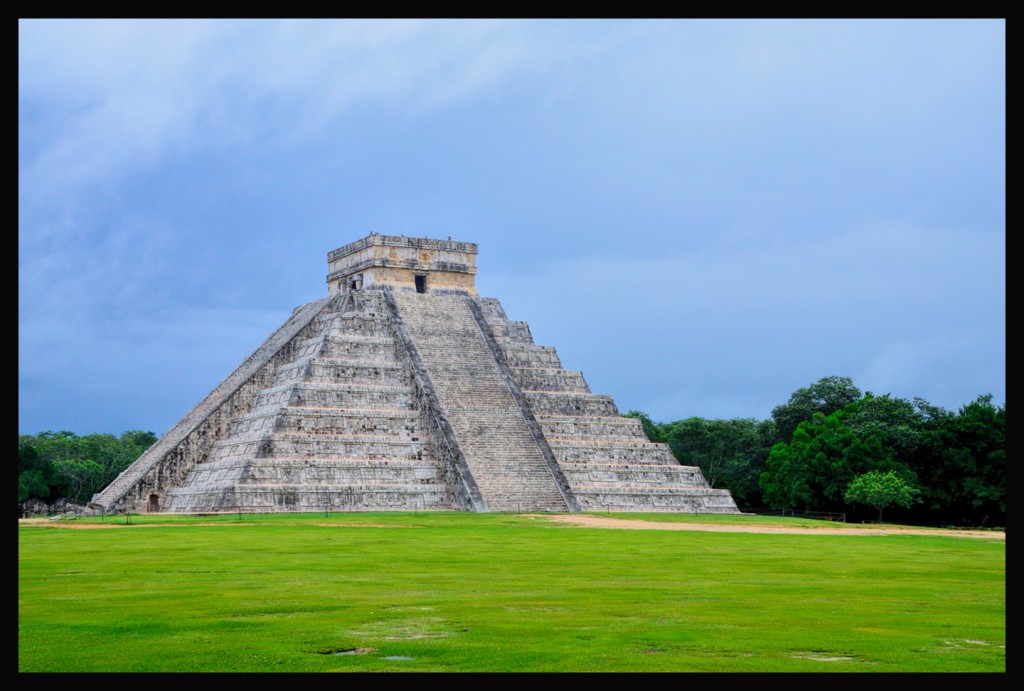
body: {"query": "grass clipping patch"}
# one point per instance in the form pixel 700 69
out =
pixel 400 629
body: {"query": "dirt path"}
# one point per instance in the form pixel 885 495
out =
pixel 852 529
pixel 593 521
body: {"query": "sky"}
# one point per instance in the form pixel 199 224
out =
pixel 702 216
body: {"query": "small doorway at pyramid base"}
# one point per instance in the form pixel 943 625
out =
pixel 153 506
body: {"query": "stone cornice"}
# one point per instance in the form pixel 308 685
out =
pixel 401 241
pixel 384 262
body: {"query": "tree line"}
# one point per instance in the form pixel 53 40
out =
pixel 831 448
pixel 62 466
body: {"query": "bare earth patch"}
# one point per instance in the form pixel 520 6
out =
pixel 637 524
pixel 592 521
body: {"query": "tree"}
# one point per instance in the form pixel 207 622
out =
pixel 880 490
pixel 961 464
pixel 32 485
pixel 139 439
pixel 730 453
pixel 32 482
pixel 55 465
pixel 82 478
pixel 897 422
pixel 824 456
pixel 784 480
pixel 825 396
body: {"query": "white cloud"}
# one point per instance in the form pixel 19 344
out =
pixel 748 189
pixel 131 93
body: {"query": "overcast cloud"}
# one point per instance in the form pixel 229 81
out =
pixel 702 216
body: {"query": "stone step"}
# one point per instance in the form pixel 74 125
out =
pixel 659 476
pixel 332 370
pixel 338 394
pixel 611 451
pixel 278 444
pixel 337 471
pixel 550 379
pixel 625 501
pixel 256 498
pixel 324 420
pixel 359 325
pixel 491 309
pixel 570 403
pixel 531 356
pixel 591 427
pixel 513 332
pixel 343 342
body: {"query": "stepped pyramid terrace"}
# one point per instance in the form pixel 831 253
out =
pixel 404 390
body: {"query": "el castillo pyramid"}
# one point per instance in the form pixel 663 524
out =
pixel 404 390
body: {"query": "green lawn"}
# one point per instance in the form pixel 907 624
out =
pixel 457 592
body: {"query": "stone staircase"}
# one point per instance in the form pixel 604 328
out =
pixel 338 428
pixel 500 449
pixel 608 461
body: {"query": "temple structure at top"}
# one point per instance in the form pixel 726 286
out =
pixel 395 260
pixel 405 390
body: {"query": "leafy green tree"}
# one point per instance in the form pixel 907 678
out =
pixel 825 396
pixel 825 454
pixel 880 490
pixel 896 422
pixel 961 464
pixel 28 455
pixel 785 482
pixel 730 453
pixel 81 478
pixel 138 439
pixel 36 479
pixel 55 465
pixel 32 471
pixel 957 462
pixel 32 485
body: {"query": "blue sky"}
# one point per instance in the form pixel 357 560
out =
pixel 702 216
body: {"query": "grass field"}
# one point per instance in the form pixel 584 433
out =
pixel 458 592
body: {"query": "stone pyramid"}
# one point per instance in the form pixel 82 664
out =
pixel 404 390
